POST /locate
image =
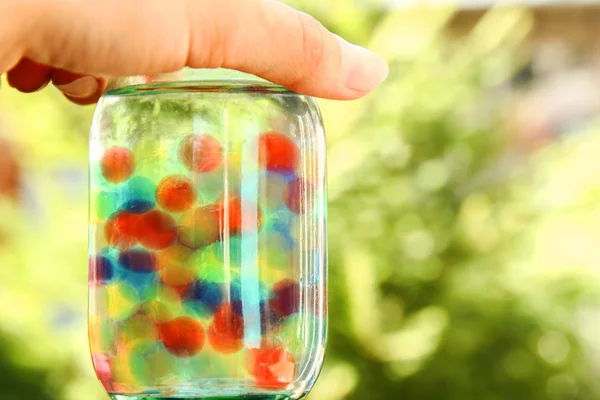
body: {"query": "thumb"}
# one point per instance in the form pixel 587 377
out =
pixel 144 37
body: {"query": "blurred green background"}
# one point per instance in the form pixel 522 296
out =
pixel 464 220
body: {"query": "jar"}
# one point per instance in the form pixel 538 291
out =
pixel 207 248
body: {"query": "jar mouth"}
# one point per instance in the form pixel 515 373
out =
pixel 204 86
pixel 218 80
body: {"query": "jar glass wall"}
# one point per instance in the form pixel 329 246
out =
pixel 207 250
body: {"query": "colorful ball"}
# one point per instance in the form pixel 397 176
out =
pixel 240 216
pixel 174 265
pixel 182 337
pixel 106 202
pixel 156 230
pixel 200 153
pixel 138 195
pixel 117 164
pixel 175 193
pixel 270 190
pixel 298 195
pixel 272 367
pixel 277 152
pixel 286 297
pixel 226 332
pixel 121 229
pixel 137 260
pixel 209 294
pixel 199 227
pixel 101 270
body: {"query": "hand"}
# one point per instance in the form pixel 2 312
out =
pixel 78 44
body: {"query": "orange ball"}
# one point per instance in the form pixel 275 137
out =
pixel 117 164
pixel 226 332
pixel 277 152
pixel 199 227
pixel 200 153
pixel 182 337
pixel 156 230
pixel 175 193
pixel 272 367
pixel 121 229
pixel 237 221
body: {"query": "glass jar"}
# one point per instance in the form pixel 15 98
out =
pixel 207 250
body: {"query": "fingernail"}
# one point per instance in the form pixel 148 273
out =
pixel 80 88
pixel 362 69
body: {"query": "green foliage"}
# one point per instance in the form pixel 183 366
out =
pixel 457 269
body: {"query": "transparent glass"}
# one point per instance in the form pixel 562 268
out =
pixel 207 248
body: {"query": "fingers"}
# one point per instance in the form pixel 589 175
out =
pixel 80 89
pixel 28 76
pixel 145 37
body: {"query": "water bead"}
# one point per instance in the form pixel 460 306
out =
pixel 175 193
pixel 226 332
pixel 117 164
pixel 101 364
pixel 137 327
pixel 210 185
pixel 269 318
pixel 209 294
pixel 240 216
pixel 228 252
pixel 137 260
pixel 175 266
pixel 272 367
pixel 298 195
pixel 101 334
pixel 280 221
pixel 121 300
pixel 270 189
pixel 297 332
pixel 156 230
pixel 236 288
pixel 150 363
pixel 277 152
pixel 199 227
pixel 138 195
pixel 210 263
pixel 286 297
pixel 200 153
pixel 106 202
pixel 273 251
pixel 101 270
pixel 159 310
pixel 182 336
pixel 121 229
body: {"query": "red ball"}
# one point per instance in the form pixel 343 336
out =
pixel 182 337
pixel 121 229
pixel 277 152
pixel 286 297
pixel 156 230
pixel 175 193
pixel 200 153
pixel 237 221
pixel 298 194
pixel 117 164
pixel 272 367
pixel 226 332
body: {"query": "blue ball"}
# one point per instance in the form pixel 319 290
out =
pixel 138 195
pixel 209 294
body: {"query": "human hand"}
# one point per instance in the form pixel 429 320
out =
pixel 77 45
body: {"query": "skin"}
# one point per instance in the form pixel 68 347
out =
pixel 63 41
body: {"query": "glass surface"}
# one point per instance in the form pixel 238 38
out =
pixel 207 241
